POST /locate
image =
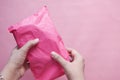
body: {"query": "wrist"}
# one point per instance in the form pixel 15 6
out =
pixel 76 76
pixel 8 69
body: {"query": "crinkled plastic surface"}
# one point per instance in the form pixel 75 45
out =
pixel 40 26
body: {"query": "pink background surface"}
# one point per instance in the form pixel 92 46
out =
pixel 90 26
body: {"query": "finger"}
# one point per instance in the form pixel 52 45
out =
pixel 26 66
pixel 59 59
pixel 76 55
pixel 73 53
pixel 28 45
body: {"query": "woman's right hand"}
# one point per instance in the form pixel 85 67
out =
pixel 74 68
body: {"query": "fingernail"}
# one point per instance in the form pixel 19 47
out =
pixel 53 54
pixel 36 40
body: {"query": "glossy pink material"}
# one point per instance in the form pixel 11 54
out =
pixel 39 25
pixel 90 26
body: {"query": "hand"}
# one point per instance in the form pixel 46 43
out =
pixel 74 68
pixel 17 64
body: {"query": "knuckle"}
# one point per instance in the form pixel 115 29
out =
pixel 31 42
pixel 75 52
pixel 22 50
pixel 81 59
pixel 14 51
pixel 64 64
pixel 57 57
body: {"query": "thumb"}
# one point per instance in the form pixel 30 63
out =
pixel 59 59
pixel 28 45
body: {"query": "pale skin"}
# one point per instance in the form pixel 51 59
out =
pixel 17 64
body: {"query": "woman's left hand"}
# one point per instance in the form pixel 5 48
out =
pixel 17 64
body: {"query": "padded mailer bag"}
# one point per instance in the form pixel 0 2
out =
pixel 39 25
